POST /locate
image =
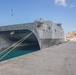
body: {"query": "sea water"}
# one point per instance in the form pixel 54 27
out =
pixel 19 52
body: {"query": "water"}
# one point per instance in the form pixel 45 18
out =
pixel 20 51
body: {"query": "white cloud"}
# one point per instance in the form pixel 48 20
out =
pixel 61 2
pixel 72 5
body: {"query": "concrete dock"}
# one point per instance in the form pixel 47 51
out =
pixel 56 60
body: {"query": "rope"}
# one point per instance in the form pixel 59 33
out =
pixel 12 45
pixel 15 46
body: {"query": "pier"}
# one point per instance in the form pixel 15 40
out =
pixel 56 60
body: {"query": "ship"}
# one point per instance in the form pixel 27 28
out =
pixel 45 33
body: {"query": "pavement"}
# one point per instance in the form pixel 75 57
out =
pixel 55 60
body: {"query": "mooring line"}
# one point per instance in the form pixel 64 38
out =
pixel 15 46
pixel 12 45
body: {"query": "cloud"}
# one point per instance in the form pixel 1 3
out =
pixel 61 2
pixel 72 5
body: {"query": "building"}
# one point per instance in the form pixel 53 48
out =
pixel 71 36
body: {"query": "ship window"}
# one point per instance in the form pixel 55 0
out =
pixel 38 25
pixel 55 30
pixel 49 28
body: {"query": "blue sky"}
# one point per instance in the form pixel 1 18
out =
pixel 62 11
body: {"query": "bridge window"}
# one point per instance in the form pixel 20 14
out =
pixel 38 25
pixel 49 28
pixel 55 30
